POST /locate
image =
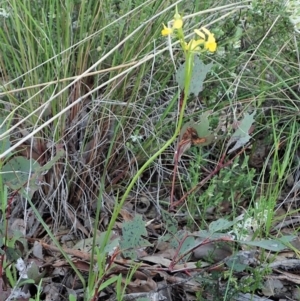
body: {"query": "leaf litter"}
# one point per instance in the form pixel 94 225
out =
pixel 173 263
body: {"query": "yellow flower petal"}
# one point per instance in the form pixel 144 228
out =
pixel 210 41
pixel 199 42
pixel 206 31
pixel 211 46
pixel 166 31
pixel 199 33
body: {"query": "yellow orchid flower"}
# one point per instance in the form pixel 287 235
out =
pixel 178 22
pixel 166 31
pixel 207 40
pixel 210 42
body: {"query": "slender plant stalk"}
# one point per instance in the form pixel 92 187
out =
pixel 188 74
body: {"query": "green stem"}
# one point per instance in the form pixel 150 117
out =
pixel 188 75
pixel 118 207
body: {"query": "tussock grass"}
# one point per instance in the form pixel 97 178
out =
pixel 55 41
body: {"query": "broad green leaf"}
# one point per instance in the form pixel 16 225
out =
pixel 275 245
pixel 198 76
pixel 212 236
pixel 185 242
pixel 220 225
pixel 33 272
pixel 170 222
pixel 86 245
pixel 187 245
pixel 202 127
pixel 18 171
pixel 234 263
pixel 72 297
pixel 241 135
pixel 12 254
pixel 132 237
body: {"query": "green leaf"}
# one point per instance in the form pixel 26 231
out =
pixel 241 135
pixel 220 225
pixel 12 254
pixel 86 245
pixel 202 127
pixel 132 237
pixel 186 245
pixel 72 298
pixel 34 273
pixel 4 142
pixel 212 236
pixel 17 171
pixel 235 263
pixel 108 282
pixel 198 76
pixel 170 222
pixel 275 245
